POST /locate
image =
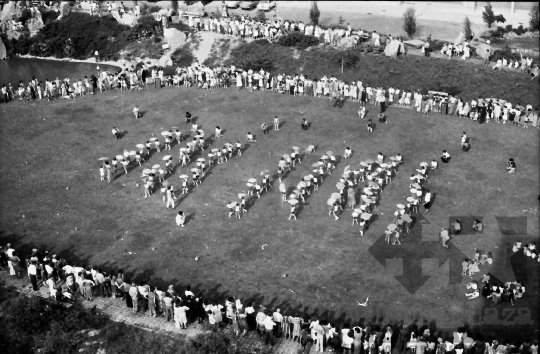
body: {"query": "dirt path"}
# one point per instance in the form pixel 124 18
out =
pixel 214 46
pixel 119 312
pixel 206 41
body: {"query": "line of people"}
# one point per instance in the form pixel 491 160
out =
pixel 478 109
pixel 69 281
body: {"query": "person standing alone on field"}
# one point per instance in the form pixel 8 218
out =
pixel 170 197
pixel 276 123
pixel 136 112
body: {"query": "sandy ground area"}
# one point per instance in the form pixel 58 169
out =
pixel 433 18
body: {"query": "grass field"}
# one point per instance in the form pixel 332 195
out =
pixel 52 197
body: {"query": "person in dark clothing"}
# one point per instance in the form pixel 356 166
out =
pixel 199 308
pixel 466 146
pixel 305 124
pixel 93 82
pixel 486 290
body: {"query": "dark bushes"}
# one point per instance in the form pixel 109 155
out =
pixel 183 57
pixel 71 37
pixel 30 323
pixel 298 40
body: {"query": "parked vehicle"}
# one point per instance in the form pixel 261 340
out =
pixel 266 5
pixel 248 5
pixel 232 4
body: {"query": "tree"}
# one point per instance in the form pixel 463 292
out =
pixel 500 18
pixel 409 21
pixel 261 16
pixel 489 17
pixel 174 5
pixel 534 18
pixel 314 13
pixel 467 28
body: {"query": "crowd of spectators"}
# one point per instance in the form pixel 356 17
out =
pixel 68 281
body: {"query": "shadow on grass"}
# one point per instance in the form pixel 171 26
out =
pixel 216 294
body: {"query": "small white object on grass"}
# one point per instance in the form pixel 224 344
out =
pixel 262 247
pixel 363 303
pixel 197 258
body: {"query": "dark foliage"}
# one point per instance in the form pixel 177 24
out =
pixel 174 5
pixel 259 54
pixel 70 37
pixel 153 9
pixel 314 13
pixel 25 16
pixel 409 21
pixel 49 16
pixel 183 57
pixel 467 30
pixel 260 16
pixel 520 30
pixel 298 40
pixel 32 322
pixel 9 44
pixel 36 325
pixel 146 27
pixel 489 16
pixel 534 18
pixel 504 52
pixel 181 26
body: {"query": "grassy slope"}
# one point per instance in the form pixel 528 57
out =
pixel 406 73
pixel 49 147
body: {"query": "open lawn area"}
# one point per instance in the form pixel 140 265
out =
pixel 52 197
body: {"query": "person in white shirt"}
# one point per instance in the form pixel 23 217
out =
pixel 180 219
pixel 188 291
pixel 269 324
pixel 116 133
pixel 434 165
pixel 445 157
pixel 9 254
pixel 473 295
pixel 399 159
pixel 136 112
pixel 348 153
pixel 32 273
pixel 444 237
pixel 517 246
pixel 278 319
pixel 427 200
pixel 463 138
pixel 51 284
pixel 346 342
